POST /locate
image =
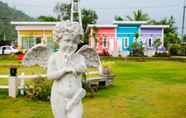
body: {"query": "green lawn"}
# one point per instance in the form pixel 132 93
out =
pixel 150 89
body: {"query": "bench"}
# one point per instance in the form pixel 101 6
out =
pixel 93 84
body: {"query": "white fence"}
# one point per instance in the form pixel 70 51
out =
pixel 12 83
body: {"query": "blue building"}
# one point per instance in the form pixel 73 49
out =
pixel 126 32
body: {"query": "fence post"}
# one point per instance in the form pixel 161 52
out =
pixel 12 82
pixel 22 85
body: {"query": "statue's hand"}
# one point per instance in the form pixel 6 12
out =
pixel 70 69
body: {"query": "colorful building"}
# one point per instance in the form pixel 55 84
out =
pixel 126 31
pixel 32 33
pixel 150 33
pixel 104 39
pixel 117 39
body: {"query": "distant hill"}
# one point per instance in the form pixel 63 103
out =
pixel 8 14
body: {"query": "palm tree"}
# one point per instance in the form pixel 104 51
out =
pixel 95 37
pixel 136 43
pixel 138 16
pixel 88 17
pixel 118 18
pixel 63 11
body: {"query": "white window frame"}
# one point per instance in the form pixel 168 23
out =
pixel 126 39
pixel 119 41
pixel 148 42
pixel 104 40
pixel 111 42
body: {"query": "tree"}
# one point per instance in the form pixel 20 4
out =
pixel 157 43
pixel 170 34
pixel 7 30
pixel 63 11
pixel 95 37
pixel 166 21
pixel 88 17
pixel 136 44
pixel 137 49
pixel 118 18
pixel 47 18
pixel 184 38
pixel 138 16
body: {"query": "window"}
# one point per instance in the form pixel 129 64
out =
pixel 28 42
pixel 104 41
pixel 111 44
pixel 126 42
pixel 8 48
pixel 150 42
pixel 38 40
pixel 51 44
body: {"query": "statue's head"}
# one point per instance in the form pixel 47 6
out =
pixel 68 35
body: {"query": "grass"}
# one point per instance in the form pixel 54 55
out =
pixel 150 89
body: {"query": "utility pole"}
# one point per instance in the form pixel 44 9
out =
pixel 183 21
pixel 4 38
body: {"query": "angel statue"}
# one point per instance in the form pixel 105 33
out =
pixel 65 68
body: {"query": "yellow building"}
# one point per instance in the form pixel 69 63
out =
pixel 32 33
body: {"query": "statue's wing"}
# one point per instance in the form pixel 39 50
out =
pixel 37 55
pixel 91 57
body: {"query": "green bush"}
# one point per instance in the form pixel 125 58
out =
pixel 174 50
pixel 39 89
pixel 178 50
pixel 164 54
pixel 137 52
pixel 182 51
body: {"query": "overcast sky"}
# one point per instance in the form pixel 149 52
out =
pixel 107 9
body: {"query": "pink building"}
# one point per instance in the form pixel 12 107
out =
pixel 102 37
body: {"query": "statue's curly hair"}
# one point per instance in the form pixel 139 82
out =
pixel 71 27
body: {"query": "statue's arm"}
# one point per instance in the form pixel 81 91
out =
pixel 52 72
pixel 56 75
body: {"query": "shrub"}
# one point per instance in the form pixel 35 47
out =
pixel 39 89
pixel 174 50
pixel 182 51
pixel 105 53
pixel 164 54
pixel 137 52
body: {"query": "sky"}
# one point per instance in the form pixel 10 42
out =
pixel 107 9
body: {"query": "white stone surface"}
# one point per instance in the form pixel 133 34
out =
pixel 65 68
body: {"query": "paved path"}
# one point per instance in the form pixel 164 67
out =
pixel 181 57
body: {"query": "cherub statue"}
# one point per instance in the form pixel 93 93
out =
pixel 65 68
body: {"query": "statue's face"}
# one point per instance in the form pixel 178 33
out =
pixel 67 45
